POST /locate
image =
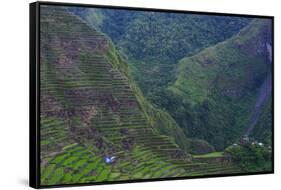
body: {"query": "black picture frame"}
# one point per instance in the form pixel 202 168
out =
pixel 34 93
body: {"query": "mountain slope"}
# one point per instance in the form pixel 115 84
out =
pixel 161 36
pixel 89 111
pixel 116 24
pixel 222 84
pixel 154 42
pixel 92 111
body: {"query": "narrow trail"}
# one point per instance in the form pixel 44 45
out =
pixel 264 94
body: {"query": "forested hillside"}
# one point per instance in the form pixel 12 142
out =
pixel 162 40
pixel 225 87
pixel 154 42
pixel 128 95
pixel 95 123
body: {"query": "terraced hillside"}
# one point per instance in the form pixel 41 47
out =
pixel 154 42
pixel 91 111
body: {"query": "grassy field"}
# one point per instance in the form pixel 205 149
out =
pixel 210 155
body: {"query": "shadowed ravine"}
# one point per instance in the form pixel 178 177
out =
pixel 264 94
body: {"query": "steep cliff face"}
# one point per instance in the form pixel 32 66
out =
pixel 228 84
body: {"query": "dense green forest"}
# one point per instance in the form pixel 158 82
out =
pixel 223 85
pixel 154 42
pixel 129 95
pixel 155 45
pixel 254 157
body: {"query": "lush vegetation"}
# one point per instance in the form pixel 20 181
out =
pixel 219 87
pixel 96 104
pixel 166 37
pixel 210 155
pixel 262 131
pixel 152 58
pixel 154 42
pixel 251 157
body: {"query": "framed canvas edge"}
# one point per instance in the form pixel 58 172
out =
pixel 34 102
pixel 34 94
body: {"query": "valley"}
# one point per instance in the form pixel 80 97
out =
pixel 112 113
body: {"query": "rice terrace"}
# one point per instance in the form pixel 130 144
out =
pixel 134 95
